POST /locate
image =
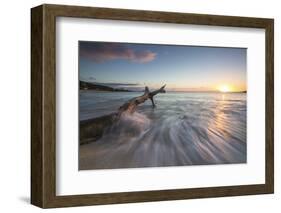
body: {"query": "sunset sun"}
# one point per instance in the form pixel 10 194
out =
pixel 224 88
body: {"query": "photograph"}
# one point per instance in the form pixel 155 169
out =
pixel 140 105
pixel 158 105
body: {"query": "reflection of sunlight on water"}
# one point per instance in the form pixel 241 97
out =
pixel 219 121
pixel 184 129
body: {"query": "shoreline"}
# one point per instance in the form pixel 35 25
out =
pixel 100 91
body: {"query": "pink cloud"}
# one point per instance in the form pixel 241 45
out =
pixel 101 52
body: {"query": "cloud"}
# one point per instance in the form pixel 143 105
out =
pixel 92 78
pixel 101 52
pixel 120 84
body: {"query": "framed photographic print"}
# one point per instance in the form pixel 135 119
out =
pixel 136 106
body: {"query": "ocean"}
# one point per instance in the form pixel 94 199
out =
pixel 185 128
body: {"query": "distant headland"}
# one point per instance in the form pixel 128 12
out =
pixel 98 87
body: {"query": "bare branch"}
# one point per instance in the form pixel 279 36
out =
pixel 131 105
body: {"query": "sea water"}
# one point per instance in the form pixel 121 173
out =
pixel 185 128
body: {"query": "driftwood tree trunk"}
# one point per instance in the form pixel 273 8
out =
pixel 132 104
pixel 91 130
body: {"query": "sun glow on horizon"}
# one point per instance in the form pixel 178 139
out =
pixel 224 88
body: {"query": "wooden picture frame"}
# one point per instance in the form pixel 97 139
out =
pixel 43 105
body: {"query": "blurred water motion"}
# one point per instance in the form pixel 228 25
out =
pixel 184 129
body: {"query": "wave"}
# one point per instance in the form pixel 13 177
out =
pixel 194 133
pixel 184 129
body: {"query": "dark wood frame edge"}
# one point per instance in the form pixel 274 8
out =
pixel 43 105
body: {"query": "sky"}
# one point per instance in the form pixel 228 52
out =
pixel 181 68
